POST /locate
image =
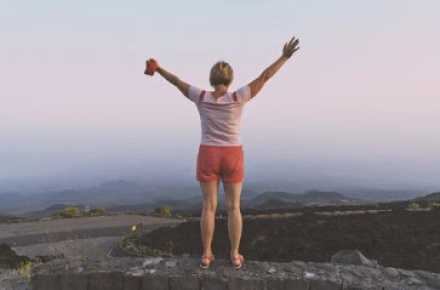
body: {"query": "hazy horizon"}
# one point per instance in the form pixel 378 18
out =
pixel 358 105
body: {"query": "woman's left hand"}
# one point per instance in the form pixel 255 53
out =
pixel 290 47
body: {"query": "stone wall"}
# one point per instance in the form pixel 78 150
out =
pixel 183 273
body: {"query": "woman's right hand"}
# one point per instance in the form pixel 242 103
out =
pixel 290 47
pixel 151 66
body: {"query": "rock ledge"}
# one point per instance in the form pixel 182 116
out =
pixel 183 273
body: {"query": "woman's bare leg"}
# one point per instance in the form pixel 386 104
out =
pixel 207 219
pixel 235 223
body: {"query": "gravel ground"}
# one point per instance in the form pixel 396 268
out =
pixel 104 232
pixel 69 224
pixel 53 231
pixel 11 280
pixel 93 248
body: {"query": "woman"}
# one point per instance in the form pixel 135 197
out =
pixel 220 155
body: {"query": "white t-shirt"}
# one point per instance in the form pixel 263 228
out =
pixel 220 118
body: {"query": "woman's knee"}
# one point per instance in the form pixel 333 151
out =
pixel 209 190
pixel 210 206
pixel 233 207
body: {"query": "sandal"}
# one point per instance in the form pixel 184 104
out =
pixel 237 261
pixel 206 260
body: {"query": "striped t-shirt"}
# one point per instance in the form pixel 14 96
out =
pixel 220 118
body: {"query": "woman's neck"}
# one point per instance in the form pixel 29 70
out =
pixel 219 91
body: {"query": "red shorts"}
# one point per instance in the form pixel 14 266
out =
pixel 215 162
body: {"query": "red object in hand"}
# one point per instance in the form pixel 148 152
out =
pixel 151 67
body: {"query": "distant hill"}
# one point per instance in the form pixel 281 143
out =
pixel 9 219
pixel 430 197
pixel 287 200
pixel 190 203
pixel 266 200
pixel 51 210
pixel 113 193
pixel 107 193
pixel 143 208
pixel 271 198
pixel 327 197
pixel 277 203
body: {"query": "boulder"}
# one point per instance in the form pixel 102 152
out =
pixel 9 259
pixel 352 257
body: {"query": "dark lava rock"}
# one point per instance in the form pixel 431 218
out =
pixel 10 259
pixel 398 238
pixel 156 273
pixel 351 257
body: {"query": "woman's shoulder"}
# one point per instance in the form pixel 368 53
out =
pixel 227 98
pixel 240 95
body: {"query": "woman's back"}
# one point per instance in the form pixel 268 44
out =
pixel 220 117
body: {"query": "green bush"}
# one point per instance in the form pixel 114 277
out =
pixel 163 211
pixel 413 206
pixel 71 211
pixel 25 269
pixel 96 212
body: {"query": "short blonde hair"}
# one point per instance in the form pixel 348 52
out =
pixel 221 74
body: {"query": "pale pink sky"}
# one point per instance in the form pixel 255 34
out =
pixel 364 89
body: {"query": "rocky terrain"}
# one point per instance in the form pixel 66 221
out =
pixel 94 250
pixel 394 237
pixel 435 196
pixel 279 199
pixel 39 241
pixel 183 273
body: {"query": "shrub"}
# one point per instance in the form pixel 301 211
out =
pixel 413 206
pixel 96 212
pixel 25 269
pixel 71 211
pixel 163 211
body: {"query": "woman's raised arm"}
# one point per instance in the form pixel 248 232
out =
pixel 173 79
pixel 288 50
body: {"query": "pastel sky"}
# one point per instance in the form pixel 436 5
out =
pixel 360 100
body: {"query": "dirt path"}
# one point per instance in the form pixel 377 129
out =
pixel 51 231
